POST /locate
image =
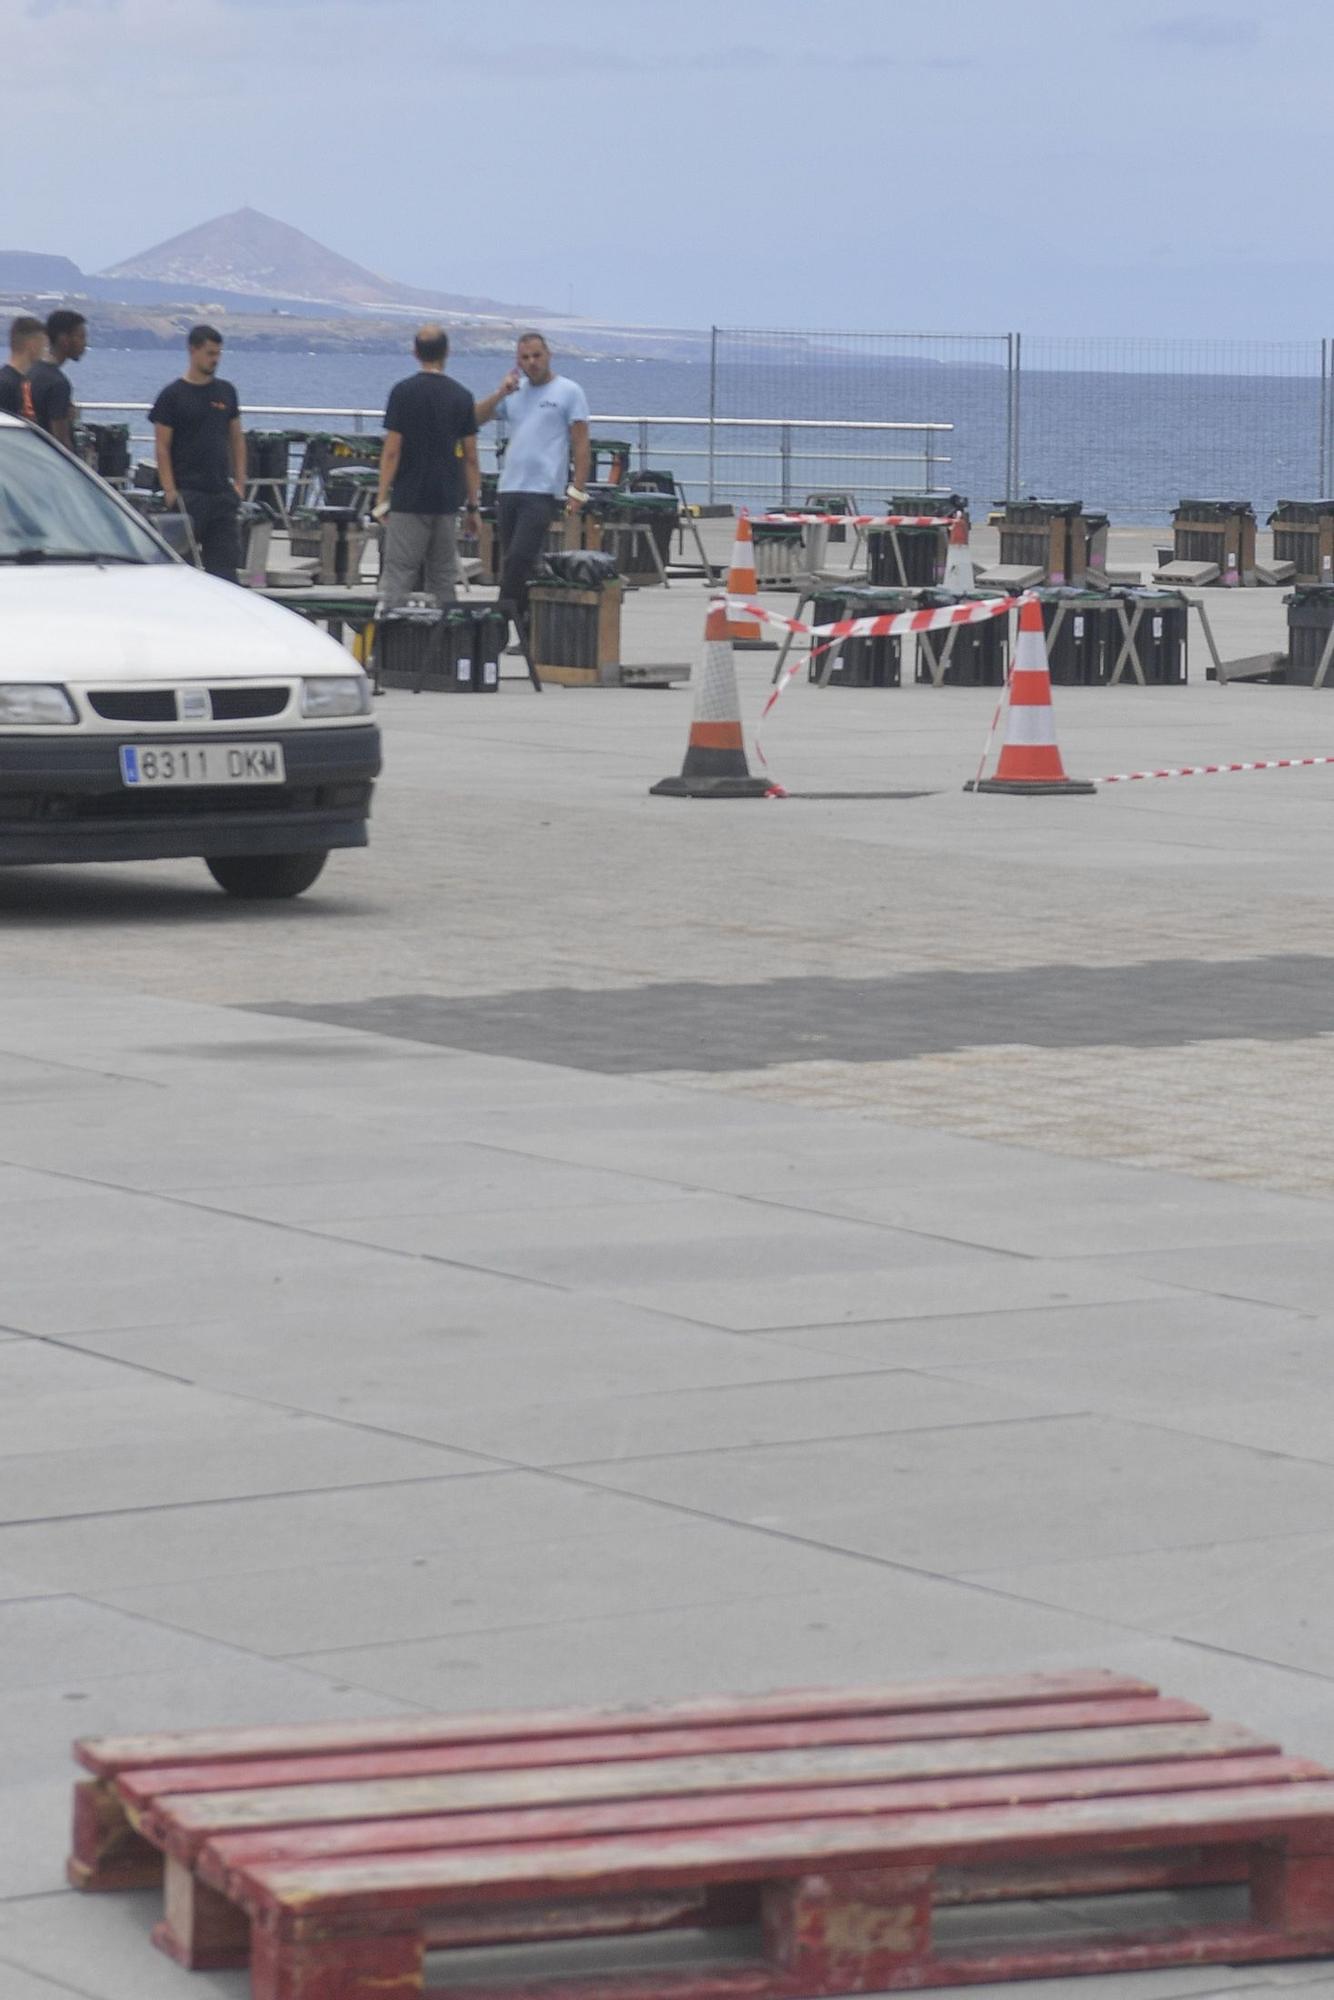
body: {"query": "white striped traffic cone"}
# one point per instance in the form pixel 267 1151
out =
pixel 715 765
pixel 746 634
pixel 1030 760
pixel 958 577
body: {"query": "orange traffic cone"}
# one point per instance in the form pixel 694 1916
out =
pixel 1029 759
pixel 958 576
pixel 746 634
pixel 715 765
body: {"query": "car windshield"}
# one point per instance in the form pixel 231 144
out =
pixel 52 511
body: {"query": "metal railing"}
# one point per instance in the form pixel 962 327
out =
pixel 832 451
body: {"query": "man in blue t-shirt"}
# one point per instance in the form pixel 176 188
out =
pixel 548 419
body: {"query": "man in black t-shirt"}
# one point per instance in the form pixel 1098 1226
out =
pixel 201 452
pixel 427 470
pixel 27 338
pixel 52 402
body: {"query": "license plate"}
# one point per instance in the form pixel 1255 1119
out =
pixel 144 764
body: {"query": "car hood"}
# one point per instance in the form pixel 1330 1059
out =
pixel 149 622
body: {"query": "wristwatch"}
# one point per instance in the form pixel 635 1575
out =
pixel 573 492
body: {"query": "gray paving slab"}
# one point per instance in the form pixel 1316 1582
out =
pixel 57 1399
pixel 1073 1209
pixel 466 1335
pixel 293 1529
pixel 691 1238
pixel 455 1180
pixel 653 1422
pixel 648 1561
pixel 273 1452
pixel 1193 1384
pixel 98 1947
pixel 1264 1597
pixel 957 1279
pixel 892 1624
pixel 1036 1490
pixel 1282 1273
pixel 1172 1323
pixel 44 1638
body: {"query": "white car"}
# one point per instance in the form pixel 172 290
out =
pixel 147 710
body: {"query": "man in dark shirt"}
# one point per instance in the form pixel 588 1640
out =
pixel 201 452
pixel 52 403
pixel 27 338
pixel 427 467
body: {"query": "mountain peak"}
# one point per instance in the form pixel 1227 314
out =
pixel 252 253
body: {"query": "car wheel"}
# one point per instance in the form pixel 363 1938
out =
pixel 265 875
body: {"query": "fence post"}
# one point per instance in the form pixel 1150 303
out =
pixel 785 460
pixel 1322 456
pixel 713 403
pixel 1017 425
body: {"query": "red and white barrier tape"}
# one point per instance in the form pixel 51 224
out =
pixel 857 520
pixel 1213 770
pixel 892 626
pixel 901 624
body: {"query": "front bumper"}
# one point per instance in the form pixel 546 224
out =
pixel 62 799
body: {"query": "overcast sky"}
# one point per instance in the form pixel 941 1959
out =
pixel 1046 165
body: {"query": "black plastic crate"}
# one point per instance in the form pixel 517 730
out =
pixel 455 651
pixel 1082 647
pixel 867 663
pixel 107 449
pixel 1310 621
pixel 978 653
pixel 1160 637
pixel 918 563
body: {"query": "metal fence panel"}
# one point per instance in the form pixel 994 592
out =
pixel 1135 426
pixel 915 378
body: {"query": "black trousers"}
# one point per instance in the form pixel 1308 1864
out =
pixel 523 520
pixel 213 518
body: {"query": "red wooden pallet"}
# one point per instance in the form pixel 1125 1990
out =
pixel 333 1857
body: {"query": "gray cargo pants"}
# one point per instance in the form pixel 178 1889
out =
pixel 421 552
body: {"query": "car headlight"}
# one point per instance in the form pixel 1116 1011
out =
pixel 336 694
pixel 28 705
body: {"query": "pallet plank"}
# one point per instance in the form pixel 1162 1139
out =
pixel 201 1814
pixel 629 1863
pixel 224 1854
pixel 138 1786
pixel 107 1755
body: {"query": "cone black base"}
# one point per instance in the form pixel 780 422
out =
pixel 1078 787
pixel 710 788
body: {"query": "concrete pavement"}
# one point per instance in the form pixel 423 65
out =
pixel 598 1247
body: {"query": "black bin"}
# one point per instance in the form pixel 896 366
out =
pixel 1310 621
pixel 1082 647
pixel 866 663
pixel 267 458
pixel 906 558
pixel 108 449
pixel 454 651
pixel 928 503
pixel 1160 636
pixel 978 655
pixel 1304 536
